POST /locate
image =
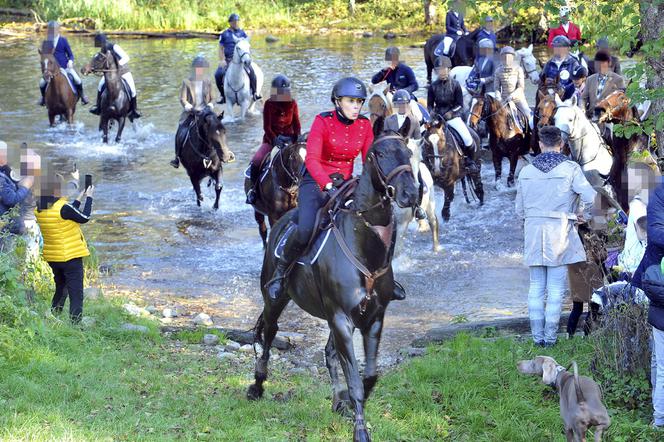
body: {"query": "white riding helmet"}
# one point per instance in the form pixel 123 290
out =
pixel 565 10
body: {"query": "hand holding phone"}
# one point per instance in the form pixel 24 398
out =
pixel 88 181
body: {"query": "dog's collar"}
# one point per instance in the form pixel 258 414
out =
pixel 559 370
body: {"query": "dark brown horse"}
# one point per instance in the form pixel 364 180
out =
pixel 276 193
pixel 350 282
pixel 445 161
pixel 505 139
pixel 115 102
pixel 464 54
pixel 59 97
pixel 616 108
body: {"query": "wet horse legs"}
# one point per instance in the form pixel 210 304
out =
pixel 340 398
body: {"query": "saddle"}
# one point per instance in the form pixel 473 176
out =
pixel 456 139
pixel 440 48
pixel 517 120
pixel 125 87
pixel 70 80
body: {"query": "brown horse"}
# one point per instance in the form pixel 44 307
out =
pixel 616 108
pixel 505 139
pixel 277 192
pixel 445 161
pixel 380 104
pixel 59 97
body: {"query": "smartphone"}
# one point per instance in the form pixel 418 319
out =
pixel 88 181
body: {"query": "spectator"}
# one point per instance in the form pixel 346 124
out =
pixel 548 193
pixel 12 192
pixel 566 28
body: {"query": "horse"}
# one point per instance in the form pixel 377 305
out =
pixel 380 103
pixel 278 189
pixel 236 82
pixel 464 54
pixel 349 280
pixel 586 145
pixel 115 102
pixel 505 140
pixel 616 108
pixel 444 159
pixel 59 97
pixel 529 63
pixel 203 150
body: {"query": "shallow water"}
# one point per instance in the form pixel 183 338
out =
pixel 148 229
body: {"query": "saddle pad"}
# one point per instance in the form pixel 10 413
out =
pixel 266 165
pixel 70 80
pixel 456 139
pixel 310 256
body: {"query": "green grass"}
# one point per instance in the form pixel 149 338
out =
pixel 196 336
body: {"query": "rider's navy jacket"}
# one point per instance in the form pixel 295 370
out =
pixel 552 70
pixel 229 38
pixel 332 146
pixel 454 23
pixel 483 33
pixel 402 77
pixel 62 52
pixel 481 69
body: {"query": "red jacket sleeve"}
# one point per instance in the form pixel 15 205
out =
pixel 552 34
pixel 368 141
pixel 295 123
pixel 317 135
pixel 267 122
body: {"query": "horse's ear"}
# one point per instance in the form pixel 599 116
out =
pixel 378 126
pixel 530 48
pixel 40 51
pixel 221 116
pixel 559 102
pixel 405 129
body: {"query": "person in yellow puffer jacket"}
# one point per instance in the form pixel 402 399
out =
pixel 65 247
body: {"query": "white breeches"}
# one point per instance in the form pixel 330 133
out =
pixel 72 72
pixel 461 128
pixel 447 44
pixel 128 78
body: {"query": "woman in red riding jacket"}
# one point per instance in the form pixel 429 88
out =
pixel 336 138
pixel 281 124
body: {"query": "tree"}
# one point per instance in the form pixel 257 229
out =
pixel 652 36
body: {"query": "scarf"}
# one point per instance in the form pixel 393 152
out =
pixel 547 161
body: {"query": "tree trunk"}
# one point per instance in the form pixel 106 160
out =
pixel 429 11
pixel 652 29
pixel 351 7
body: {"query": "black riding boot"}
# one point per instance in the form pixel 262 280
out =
pixel 252 83
pixel 468 161
pixel 42 101
pixel 176 161
pixel 133 112
pixel 399 293
pixel 253 179
pixel 95 110
pixel 291 251
pixel 81 94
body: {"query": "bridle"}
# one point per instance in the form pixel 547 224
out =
pixel 106 64
pixel 389 192
pixel 50 67
pixel 525 68
pixel 610 109
pixel 292 176
pixel 207 161
pixel 482 116
pixel 241 55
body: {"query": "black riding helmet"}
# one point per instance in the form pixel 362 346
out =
pixel 233 17
pixel 348 87
pixel 200 62
pixel 392 53
pixel 100 40
pixel 280 81
pixel 442 62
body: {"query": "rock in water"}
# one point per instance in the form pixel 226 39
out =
pixel 389 35
pixel 210 339
pixel 203 319
pixel 367 34
pixel 271 39
pixel 134 327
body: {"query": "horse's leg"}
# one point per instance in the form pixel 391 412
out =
pixel 197 189
pixel 121 125
pixel 340 398
pixel 228 115
pixel 51 118
pixel 433 220
pixel 371 340
pixel 70 116
pixel 218 185
pixel 496 157
pixel 448 190
pixel 342 330
pixel 104 128
pixel 269 327
pixel 514 157
pixel 262 227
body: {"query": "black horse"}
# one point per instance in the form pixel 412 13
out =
pixel 201 141
pixel 115 103
pixel 464 55
pixel 350 283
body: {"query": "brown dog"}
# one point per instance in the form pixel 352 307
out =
pixel 581 404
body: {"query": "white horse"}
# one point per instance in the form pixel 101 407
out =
pixel 460 74
pixel 528 62
pixel 585 142
pixel 405 216
pixel 236 82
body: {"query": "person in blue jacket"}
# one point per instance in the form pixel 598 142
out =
pixel 65 58
pixel 480 78
pixel 486 31
pixel 455 27
pixel 397 74
pixel 227 41
pixel 561 65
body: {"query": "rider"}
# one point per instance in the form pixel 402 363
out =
pixel 227 41
pixel 486 31
pixel 480 78
pixel 397 74
pixel 122 60
pixel 65 58
pixel 577 86
pixel 445 98
pixel 195 96
pixel 602 45
pixel 336 138
pixel 561 65
pixel 601 84
pixel 509 82
pixel 566 28
pixel 455 27
pixel 281 124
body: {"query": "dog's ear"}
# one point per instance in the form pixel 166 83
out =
pixel 549 372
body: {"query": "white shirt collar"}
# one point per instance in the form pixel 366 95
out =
pixel 566 26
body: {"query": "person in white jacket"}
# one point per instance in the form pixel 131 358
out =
pixel 552 194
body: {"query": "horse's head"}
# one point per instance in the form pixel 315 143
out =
pixel 615 106
pixel 213 132
pixel 101 62
pixel 546 108
pixel 379 105
pixel 242 53
pixel 529 63
pixel 289 165
pixel 567 118
pixel 476 110
pixel 49 65
pixel 433 143
pixel 388 162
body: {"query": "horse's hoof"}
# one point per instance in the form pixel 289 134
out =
pixel 216 207
pixel 254 392
pixel 361 434
pixel 117 140
pixel 343 408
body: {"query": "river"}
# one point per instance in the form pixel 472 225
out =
pixel 158 246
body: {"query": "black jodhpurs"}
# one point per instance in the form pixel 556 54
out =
pixel 68 275
pixel 309 200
